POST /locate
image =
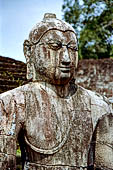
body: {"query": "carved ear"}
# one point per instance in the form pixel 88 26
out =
pixel 76 64
pixel 30 65
pixel 27 49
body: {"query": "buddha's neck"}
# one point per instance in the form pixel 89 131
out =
pixel 63 91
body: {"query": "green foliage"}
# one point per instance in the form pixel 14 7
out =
pixel 18 151
pixel 10 76
pixel 93 23
pixel 18 158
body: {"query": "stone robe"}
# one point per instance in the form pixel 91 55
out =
pixel 73 133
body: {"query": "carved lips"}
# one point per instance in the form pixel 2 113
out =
pixel 65 69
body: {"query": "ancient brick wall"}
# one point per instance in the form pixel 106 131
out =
pixel 12 73
pixel 96 75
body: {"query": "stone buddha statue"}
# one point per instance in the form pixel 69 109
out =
pixel 58 124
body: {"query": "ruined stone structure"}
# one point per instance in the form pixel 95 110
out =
pixel 12 73
pixel 96 75
pixel 59 124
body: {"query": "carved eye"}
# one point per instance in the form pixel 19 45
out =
pixel 72 47
pixel 55 45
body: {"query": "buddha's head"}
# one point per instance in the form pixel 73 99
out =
pixel 51 51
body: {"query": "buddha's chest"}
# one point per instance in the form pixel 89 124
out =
pixel 52 123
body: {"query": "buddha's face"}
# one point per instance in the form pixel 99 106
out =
pixel 55 56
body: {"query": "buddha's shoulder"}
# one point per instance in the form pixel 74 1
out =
pixel 19 93
pixel 16 94
pixel 95 97
pixel 96 100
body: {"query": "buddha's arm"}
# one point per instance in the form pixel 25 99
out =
pixel 7 152
pixel 7 135
pixel 10 124
pixel 104 144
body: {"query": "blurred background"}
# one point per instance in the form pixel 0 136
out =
pixel 92 20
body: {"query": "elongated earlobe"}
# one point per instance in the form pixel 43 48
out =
pixel 27 49
pixel 76 64
pixel 27 54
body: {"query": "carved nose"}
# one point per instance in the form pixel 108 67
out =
pixel 66 63
pixel 65 59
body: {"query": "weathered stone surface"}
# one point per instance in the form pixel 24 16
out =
pixel 96 75
pixel 59 125
pixel 12 73
pixel 57 131
pixel 104 142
